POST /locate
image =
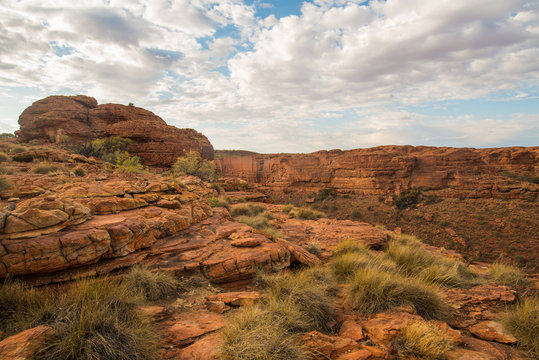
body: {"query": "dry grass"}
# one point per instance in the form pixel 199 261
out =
pixel 373 290
pixel 48 168
pixel 523 322
pixel 306 214
pixel 152 285
pixel 507 274
pixel 219 202
pixel 423 341
pixel 350 246
pixel 5 184
pixel 247 210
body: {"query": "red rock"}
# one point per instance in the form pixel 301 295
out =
pixel 361 354
pixel 205 349
pixel 217 307
pixel 451 232
pixel 383 327
pixel 24 345
pixel 80 118
pixel 156 313
pixel 464 354
pixel 351 330
pixel 190 326
pixel 246 242
pixel 240 298
pixel 318 344
pixel 492 331
pixel 376 352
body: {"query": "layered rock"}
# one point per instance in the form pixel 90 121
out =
pixel 82 119
pixel 461 171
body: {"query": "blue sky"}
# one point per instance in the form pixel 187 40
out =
pixel 287 76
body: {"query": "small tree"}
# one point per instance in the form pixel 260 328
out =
pixel 193 164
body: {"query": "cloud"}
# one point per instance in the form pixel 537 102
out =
pixel 216 66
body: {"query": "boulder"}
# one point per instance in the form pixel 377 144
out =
pixel 25 345
pixel 492 331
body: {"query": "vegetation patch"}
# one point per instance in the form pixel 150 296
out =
pixel 193 164
pixel 306 214
pixel 507 274
pixel 5 184
pixel 152 285
pixel 324 194
pixel 4 157
pixel 406 199
pixel 256 216
pixel 522 177
pixel 523 322
pixel 423 341
pixel 79 171
pixel 219 202
pixel 48 168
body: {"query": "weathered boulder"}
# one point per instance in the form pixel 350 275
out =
pixel 25 345
pixel 81 119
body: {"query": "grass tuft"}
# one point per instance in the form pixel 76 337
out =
pixel 350 246
pixel 247 210
pixel 151 285
pixel 5 184
pixel 373 290
pixel 306 214
pixel 507 274
pixel 523 322
pixel 423 341
pixel 219 202
pixel 48 168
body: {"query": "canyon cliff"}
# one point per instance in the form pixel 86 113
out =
pixel 459 172
pixel 80 119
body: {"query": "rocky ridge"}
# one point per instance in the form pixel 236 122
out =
pixel 80 119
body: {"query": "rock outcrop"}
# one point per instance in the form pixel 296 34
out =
pixel 458 172
pixel 80 118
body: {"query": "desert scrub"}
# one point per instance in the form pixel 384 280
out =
pixel 313 248
pixel 507 274
pixel 373 290
pixel 523 322
pixel 344 266
pixel 192 163
pixel 350 246
pixel 6 171
pixel 287 208
pixel 48 168
pixel 4 157
pixel 306 214
pixel 98 319
pixel 423 341
pixel 5 184
pixel 406 199
pixel 17 149
pixel 247 210
pixel 106 149
pixel 217 202
pixel 256 216
pixel 152 285
pixel 79 171
pixel 254 334
pixel 128 163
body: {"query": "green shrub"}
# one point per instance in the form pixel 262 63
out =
pixel 406 199
pixel 254 334
pixel 48 168
pixel 5 184
pixel 215 202
pixel 128 163
pixel 99 320
pixel 287 208
pixel 4 157
pixel 324 194
pixel 423 341
pixel 106 149
pixel 79 171
pixel 152 285
pixel 193 164
pixel 6 136
pixel 507 274
pixel 523 322
pixel 373 290
pixel 307 214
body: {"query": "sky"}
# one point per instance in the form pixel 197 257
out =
pixel 285 75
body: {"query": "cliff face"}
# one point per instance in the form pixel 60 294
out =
pixel 82 119
pixel 381 170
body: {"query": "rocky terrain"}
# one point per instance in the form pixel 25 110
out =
pixel 78 119
pixel 237 255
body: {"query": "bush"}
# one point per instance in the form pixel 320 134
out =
pixel 523 322
pixel 254 334
pixel 324 194
pixel 5 184
pixel 507 274
pixel 350 246
pixel 128 163
pixel 6 171
pixel 48 168
pixel 99 320
pixel 106 149
pixel 17 149
pixel 313 248
pixel 217 188
pixel 422 340
pixel 215 202
pixel 406 199
pixel 152 286
pixel 287 208
pixel 79 171
pixel 4 157
pixel 306 214
pixel 6 136
pixel 247 210
pixel 373 290
pixel 193 164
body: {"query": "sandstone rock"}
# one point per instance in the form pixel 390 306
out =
pixel 80 118
pixel 156 313
pixel 464 354
pixel 299 253
pixel 383 327
pixel 242 298
pixel 492 331
pixel 205 349
pixel 361 354
pixel 217 307
pixel 318 344
pixel 192 325
pixel 351 330
pixel 247 242
pixel 25 345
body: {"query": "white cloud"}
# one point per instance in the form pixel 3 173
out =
pixel 204 63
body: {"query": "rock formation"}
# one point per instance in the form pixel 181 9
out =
pixel 80 118
pixel 461 172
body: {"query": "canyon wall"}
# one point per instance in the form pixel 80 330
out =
pixel 468 172
pixel 80 119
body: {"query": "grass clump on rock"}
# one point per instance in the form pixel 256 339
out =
pixel 374 290
pixel 5 184
pixel 507 274
pixel 423 341
pixel 4 157
pixel 151 285
pixel 306 214
pixel 219 202
pixel 523 322
pixel 48 168
pixel 192 163
pixel 256 216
